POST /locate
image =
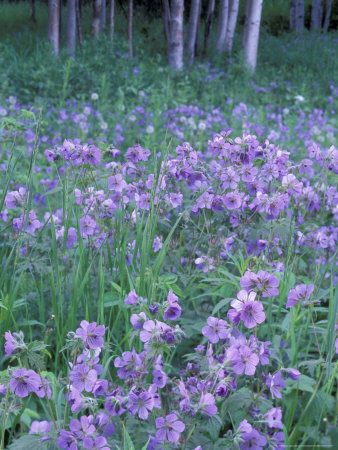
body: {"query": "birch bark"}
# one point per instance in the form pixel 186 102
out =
pixel 54 24
pixel 71 27
pixel 192 33
pixel 96 23
pixel 252 34
pixel 222 25
pixel 232 21
pixel 175 45
pixel 208 24
pixel 111 19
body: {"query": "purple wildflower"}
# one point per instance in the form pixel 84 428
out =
pixel 253 440
pixel 127 364
pixel 99 443
pixel 137 320
pixel 263 282
pixel 243 360
pixel 232 200
pixel 83 427
pixel 24 381
pixel 159 378
pixel 175 199
pixel 274 418
pixel 300 293
pixel 250 311
pixel 14 342
pixel 42 428
pixel 294 374
pixel 83 378
pixel 157 244
pixel 275 383
pixel 169 428
pixel 207 404
pixel 91 335
pixel 215 330
pixel 173 310
pixel 140 402
pixel 67 440
pixel 105 423
pixel 87 226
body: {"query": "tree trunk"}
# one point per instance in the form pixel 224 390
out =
pixel 232 21
pixel 193 21
pixel 111 19
pixel 252 35
pixel 166 18
pixel 60 24
pixel 317 14
pixel 103 16
pixel 175 45
pixel 208 24
pixel 96 23
pixel 32 10
pixel 197 42
pixel 246 21
pixel 71 27
pixel 292 14
pixel 54 24
pixel 130 28
pixel 222 25
pixel 78 21
pixel 299 15
pixel 328 8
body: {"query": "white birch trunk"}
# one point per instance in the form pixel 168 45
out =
pixel 111 19
pixel 130 28
pixel 328 8
pixel 54 24
pixel 197 43
pixel 252 37
pixel 166 18
pixel 232 21
pixel 222 25
pixel 317 14
pixel 71 27
pixel 193 24
pixel 103 16
pixel 96 23
pixel 175 45
pixel 246 21
pixel 208 24
pixel 299 15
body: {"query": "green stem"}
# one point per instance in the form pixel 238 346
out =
pixel 2 445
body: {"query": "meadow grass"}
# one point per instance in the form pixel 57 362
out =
pixel 47 288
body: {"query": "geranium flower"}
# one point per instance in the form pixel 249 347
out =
pixel 24 381
pixel 91 335
pixel 169 428
pixel 215 330
pixel 140 403
pixel 300 293
pixel 83 378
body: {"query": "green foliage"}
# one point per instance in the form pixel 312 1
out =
pixel 46 294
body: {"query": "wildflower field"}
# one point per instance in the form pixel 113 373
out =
pixel 168 246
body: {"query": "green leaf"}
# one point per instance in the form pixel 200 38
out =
pixel 238 404
pixel 127 442
pixel 220 305
pixel 304 383
pixel 146 445
pixel 30 441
